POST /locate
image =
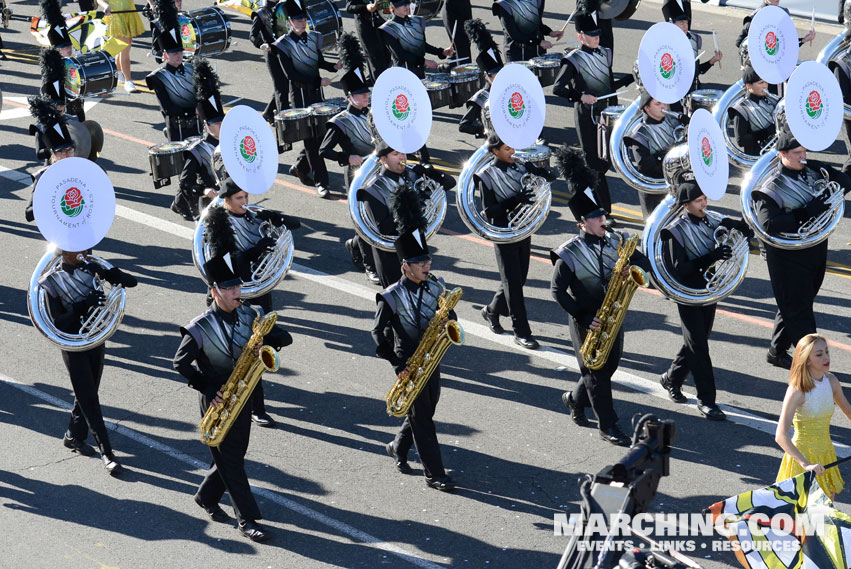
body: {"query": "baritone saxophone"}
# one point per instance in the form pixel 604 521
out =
pixel 598 343
pixel 243 379
pixel 433 345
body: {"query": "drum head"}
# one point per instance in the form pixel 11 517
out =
pixel 518 107
pixel 666 62
pixel 74 204
pixel 170 147
pixel 401 109
pixel 249 149
pixel 814 106
pixel 73 77
pixel 773 44
pixel 187 34
pixel 707 153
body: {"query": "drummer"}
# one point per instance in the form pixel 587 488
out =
pixel 155 28
pixel 57 140
pixel 585 74
pixel 753 116
pixel 173 81
pixel 489 61
pixel 367 22
pixel 524 29
pixel 198 179
pixel 350 131
pixel 673 12
pixel 650 140
pixel 300 58
pixel 263 36
pixel 404 36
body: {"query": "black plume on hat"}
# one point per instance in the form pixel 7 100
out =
pixel 169 39
pixel 571 165
pixel 587 7
pixel 351 55
pixel 207 87
pixel 489 59
pixel 57 31
pixel 52 74
pixel 407 208
pixel 219 232
pixel 54 130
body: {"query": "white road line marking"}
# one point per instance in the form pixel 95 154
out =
pixel 340 527
pixel 13 113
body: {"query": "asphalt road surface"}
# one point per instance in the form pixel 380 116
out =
pixel 329 494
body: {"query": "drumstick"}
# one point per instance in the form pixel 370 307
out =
pixel 459 59
pixel 813 22
pixel 615 94
pixel 454 29
pixel 569 19
pixel 715 39
pixel 699 54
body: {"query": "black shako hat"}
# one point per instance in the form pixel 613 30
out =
pixel 587 24
pixel 227 187
pixel 411 246
pixel 54 130
pixel 749 75
pixel 489 59
pixel 52 75
pixel 207 95
pixel 57 31
pixel 220 271
pixel 295 9
pixel 170 39
pixel 787 141
pixel 584 206
pixel 351 56
pixel 672 12
pixel 688 191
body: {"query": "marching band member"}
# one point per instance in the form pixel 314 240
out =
pixel 489 61
pixel 524 29
pixel 649 141
pixel 198 178
pixel 782 204
pixel 404 311
pixel 263 36
pixel 350 130
pixel 71 295
pixel 586 73
pixel 57 30
pixel 582 271
pixel 380 195
pixel 87 134
pixel 299 61
pixel 367 22
pixel 689 250
pixel 214 342
pixel 173 81
pixel 55 137
pixel 753 116
pixel 404 36
pixel 746 24
pixel 237 231
pixel 501 187
pixel 675 13
pixel 455 15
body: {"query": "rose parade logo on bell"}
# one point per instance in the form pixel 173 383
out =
pixel 773 44
pixel 667 67
pixel 72 203
pixel 400 108
pixel 813 109
pixel 516 109
pixel 667 70
pixel 245 146
pixel 706 148
pixel 707 164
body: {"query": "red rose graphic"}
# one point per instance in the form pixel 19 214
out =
pixel 667 62
pixel 516 101
pixel 401 104
pixel 72 73
pixel 814 100
pixel 707 148
pixel 73 198
pixel 249 144
pixel 770 40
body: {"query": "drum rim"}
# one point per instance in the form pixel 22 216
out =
pixel 304 114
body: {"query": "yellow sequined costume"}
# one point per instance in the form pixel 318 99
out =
pixel 124 25
pixel 812 438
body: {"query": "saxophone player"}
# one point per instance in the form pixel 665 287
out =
pixel 501 186
pixel 582 271
pixel 214 341
pixel 783 204
pixel 403 313
pixel 689 250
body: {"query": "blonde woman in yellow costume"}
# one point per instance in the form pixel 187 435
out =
pixel 124 27
pixel 808 406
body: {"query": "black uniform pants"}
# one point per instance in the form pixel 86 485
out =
pixel 365 252
pixel 455 13
pixel 522 52
pixel 227 470
pixel 586 131
pixel 796 278
pixel 418 429
pixel 272 106
pixel 387 266
pixel 85 370
pixel 308 159
pixel 595 387
pixel 694 355
pixel 377 57
pixel 181 128
pixel 512 259
pixel 258 400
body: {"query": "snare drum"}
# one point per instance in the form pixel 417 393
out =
pixel 204 32
pixel 90 74
pixel 605 123
pixel 320 114
pixel 293 125
pixel 167 159
pixel 546 68
pixel 701 99
pixel 465 80
pixel 341 102
pixel 322 16
pixel 427 9
pixel 439 93
pixel 538 155
pixel 610 115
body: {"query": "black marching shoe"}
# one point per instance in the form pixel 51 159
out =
pixel 675 392
pixel 711 412
pixel 181 208
pixel 781 359
pixel 615 436
pixel 303 177
pixel 111 465
pixel 372 276
pixel 442 483
pixel 492 320
pixel 252 531
pixel 528 342
pixel 357 258
pixel 262 419
pixel 401 465
pixel 216 513
pixel 78 446
pixel 577 414
pixel 322 192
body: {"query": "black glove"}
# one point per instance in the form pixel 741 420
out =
pixel 548 174
pixel 419 170
pixel 526 196
pixel 274 217
pixel 739 225
pixel 266 243
pixel 278 339
pixel 147 12
pixel 814 208
pixel 723 252
pixel 94 268
pixel 116 276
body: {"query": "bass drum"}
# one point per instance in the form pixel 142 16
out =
pixel 322 16
pixel 90 74
pixel 205 32
pixel 618 9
